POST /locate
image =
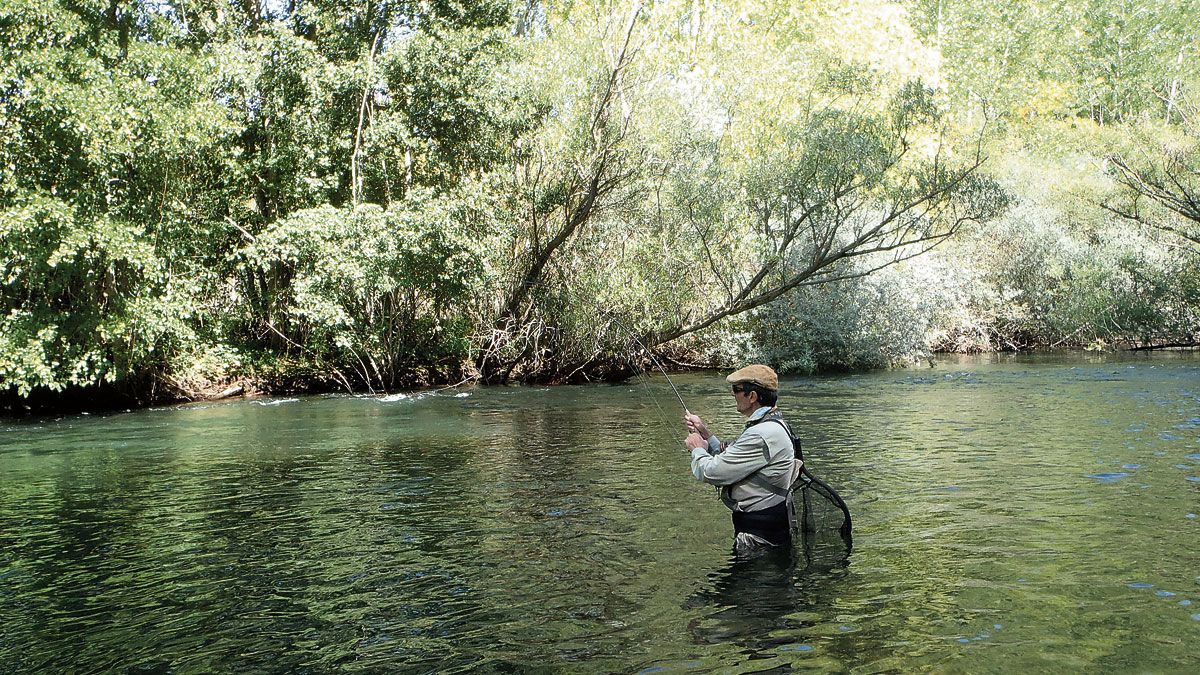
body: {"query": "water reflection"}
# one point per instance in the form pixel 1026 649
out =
pixel 757 600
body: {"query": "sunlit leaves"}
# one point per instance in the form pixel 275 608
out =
pixel 78 302
pixel 366 285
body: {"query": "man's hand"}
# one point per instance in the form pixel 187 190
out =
pixel 696 425
pixel 694 441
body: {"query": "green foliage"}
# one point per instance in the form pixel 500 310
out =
pixel 381 193
pixel 85 300
pixel 98 233
pixel 1110 62
pixel 1160 188
pixel 453 113
pixel 1030 282
pixel 143 145
pixel 379 294
pixel 854 324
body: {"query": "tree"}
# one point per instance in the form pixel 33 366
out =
pixel 108 143
pixel 842 186
pixel 578 164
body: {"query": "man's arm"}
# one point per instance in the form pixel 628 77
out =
pixel 747 454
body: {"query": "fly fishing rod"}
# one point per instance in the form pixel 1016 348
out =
pixel 653 360
pixel 808 483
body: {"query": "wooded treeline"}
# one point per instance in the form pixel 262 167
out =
pixel 369 195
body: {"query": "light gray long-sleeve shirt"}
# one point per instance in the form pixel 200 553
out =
pixel 763 448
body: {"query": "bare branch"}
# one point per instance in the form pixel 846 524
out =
pixel 1180 200
pixel 902 227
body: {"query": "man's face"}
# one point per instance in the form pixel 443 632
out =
pixel 745 400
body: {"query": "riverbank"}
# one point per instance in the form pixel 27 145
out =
pixel 132 395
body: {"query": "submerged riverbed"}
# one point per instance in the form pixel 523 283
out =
pixel 1012 514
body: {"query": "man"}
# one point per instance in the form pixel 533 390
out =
pixel 756 470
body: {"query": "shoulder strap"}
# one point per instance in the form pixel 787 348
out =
pixel 758 479
pixel 778 419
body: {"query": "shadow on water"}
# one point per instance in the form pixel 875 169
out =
pixel 759 602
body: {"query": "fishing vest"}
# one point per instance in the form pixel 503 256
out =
pixel 780 506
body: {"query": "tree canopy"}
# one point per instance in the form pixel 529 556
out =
pixel 373 195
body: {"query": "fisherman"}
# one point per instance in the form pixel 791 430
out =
pixel 756 471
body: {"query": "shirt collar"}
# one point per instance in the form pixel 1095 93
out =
pixel 759 414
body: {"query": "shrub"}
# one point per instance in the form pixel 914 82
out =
pixel 371 294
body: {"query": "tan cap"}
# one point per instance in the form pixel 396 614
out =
pixel 755 374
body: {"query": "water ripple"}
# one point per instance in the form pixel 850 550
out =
pixel 532 528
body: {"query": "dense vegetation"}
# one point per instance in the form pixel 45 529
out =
pixel 371 195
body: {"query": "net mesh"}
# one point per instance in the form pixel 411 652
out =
pixel 819 508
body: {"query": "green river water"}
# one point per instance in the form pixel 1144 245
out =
pixel 1012 514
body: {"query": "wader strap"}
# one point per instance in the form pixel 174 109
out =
pixel 761 481
pixel 727 497
pixel 781 495
pixel 777 418
pixel 774 500
pixel 805 482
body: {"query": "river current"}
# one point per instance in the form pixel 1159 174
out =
pixel 1012 514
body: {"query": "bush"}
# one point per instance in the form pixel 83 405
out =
pixel 373 295
pixel 875 321
pixel 1034 282
pixel 85 300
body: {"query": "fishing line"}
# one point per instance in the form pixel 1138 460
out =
pixel 654 360
pixel 647 393
pixel 611 316
pixel 808 485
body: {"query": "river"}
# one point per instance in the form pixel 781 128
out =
pixel 1012 514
